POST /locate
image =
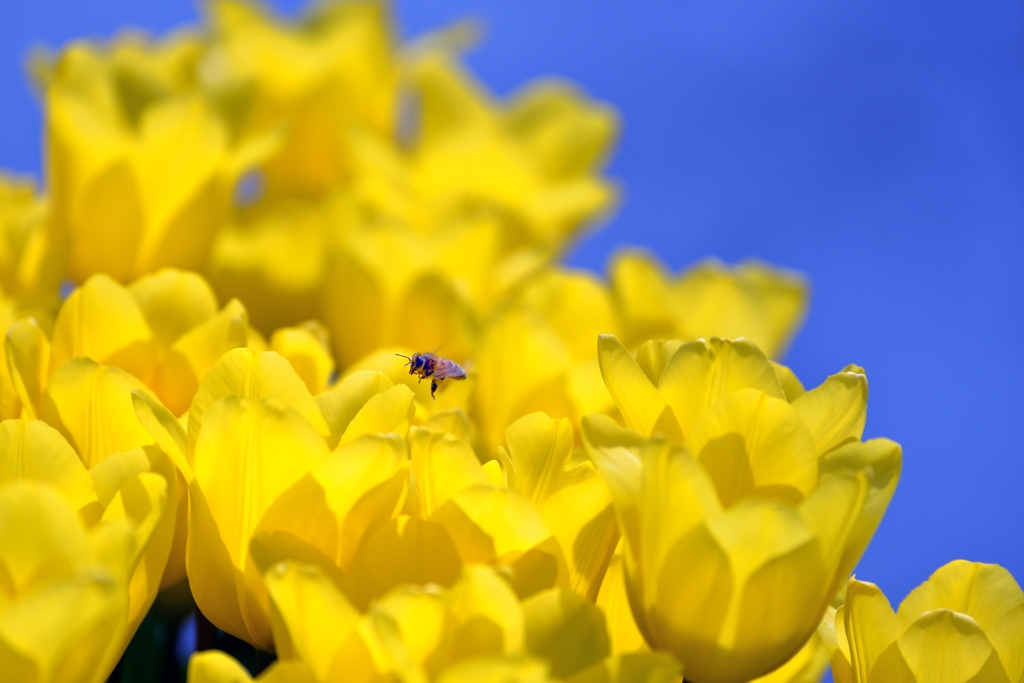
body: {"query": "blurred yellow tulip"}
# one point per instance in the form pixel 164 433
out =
pixel 965 623
pixel 138 181
pixel 763 510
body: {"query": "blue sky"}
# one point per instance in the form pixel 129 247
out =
pixel 876 146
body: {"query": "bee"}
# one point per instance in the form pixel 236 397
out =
pixel 436 368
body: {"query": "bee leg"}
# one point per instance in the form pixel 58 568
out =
pixel 433 388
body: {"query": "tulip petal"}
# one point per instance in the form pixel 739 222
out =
pixel 941 645
pixel 540 448
pixel 497 670
pixel 173 302
pixel 389 411
pixel 340 404
pixel 754 444
pixel 442 466
pixel 309 615
pixel 248 455
pixel 42 538
pixel 195 352
pixel 654 355
pixel 642 407
pixel 32 450
pixel 642 292
pixel 566 630
pixel 91 405
pixel 985 592
pixel 214 666
pixel 101 320
pixel 484 616
pixel 881 460
pixel 807 666
pixel 870 625
pixel 28 362
pixel 245 373
pixel 306 348
pixel 649 667
pixel 831 512
pixel 165 430
pixel 702 372
pixel 1006 636
pixel 790 382
pixel 405 550
pixel 836 411
pixel 623 633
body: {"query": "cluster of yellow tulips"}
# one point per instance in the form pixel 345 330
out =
pixel 241 228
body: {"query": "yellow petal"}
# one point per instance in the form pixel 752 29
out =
pixel 173 302
pixel 623 633
pixel 702 372
pixel 74 630
pixel 165 430
pixel 790 382
pixel 985 592
pixel 881 461
pixel 650 667
pixel 389 411
pixel 405 550
pixel 42 537
pixel 831 512
pixel 288 672
pixel 582 519
pixel 195 352
pixel 836 411
pixel 497 670
pixel 28 361
pixel 807 666
pixel 101 320
pixel 484 616
pixel 1006 635
pixel 32 450
pixel 540 448
pixel 641 290
pixel 309 615
pixel 566 630
pixel 754 444
pixel 306 348
pixel 941 645
pixel 752 300
pixel 249 453
pixel 654 355
pixel 442 466
pixel 91 405
pixel 642 407
pixel 870 626
pixel 452 422
pixel 214 666
pixel 245 373
pixel 340 404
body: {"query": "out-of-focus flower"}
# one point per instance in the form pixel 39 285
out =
pixel 334 71
pixel 763 511
pixel 965 623
pixel 140 176
pixel 539 352
pixel 476 630
pixel 535 161
pixel 83 552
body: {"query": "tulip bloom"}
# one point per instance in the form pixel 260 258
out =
pixel 727 491
pixel 478 629
pixel 82 550
pixel 965 623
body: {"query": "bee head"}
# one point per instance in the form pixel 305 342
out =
pixel 414 361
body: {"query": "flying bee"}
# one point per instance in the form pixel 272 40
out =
pixel 433 366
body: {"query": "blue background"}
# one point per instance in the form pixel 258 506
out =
pixel 877 146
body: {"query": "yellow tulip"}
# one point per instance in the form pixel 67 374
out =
pixel 334 70
pixel 476 630
pixel 965 623
pixel 727 491
pixel 135 185
pixel 83 552
pixel 271 472
pixel 752 300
